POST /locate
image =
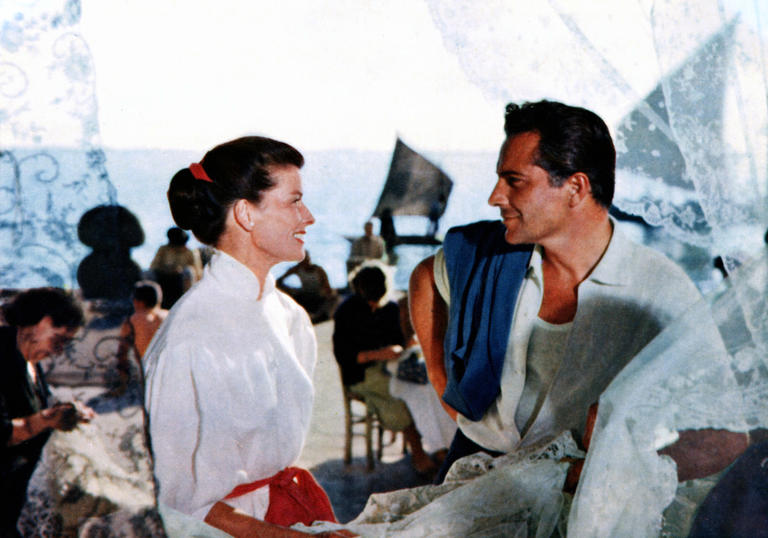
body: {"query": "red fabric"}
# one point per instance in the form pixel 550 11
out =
pixel 199 172
pixel 294 497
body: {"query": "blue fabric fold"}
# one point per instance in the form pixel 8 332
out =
pixel 485 274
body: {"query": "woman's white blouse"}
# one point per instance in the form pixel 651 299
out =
pixel 228 389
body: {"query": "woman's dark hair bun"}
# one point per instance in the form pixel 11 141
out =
pixel 238 169
pixel 193 206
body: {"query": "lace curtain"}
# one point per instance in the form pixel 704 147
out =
pixel 680 83
pixel 52 168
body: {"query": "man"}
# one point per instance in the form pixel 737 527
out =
pixel 367 247
pixel 525 322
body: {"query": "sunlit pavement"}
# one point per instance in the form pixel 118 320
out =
pixel 347 486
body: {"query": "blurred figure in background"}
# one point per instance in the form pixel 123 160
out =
pixel 137 331
pixel 41 322
pixel 315 294
pixel 176 267
pixel 367 247
pixel 147 316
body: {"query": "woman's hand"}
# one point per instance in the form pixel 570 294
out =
pixel 238 524
pixel 65 416
pixel 60 417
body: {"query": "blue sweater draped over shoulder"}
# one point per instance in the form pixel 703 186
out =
pixel 485 274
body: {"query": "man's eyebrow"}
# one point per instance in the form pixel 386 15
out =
pixel 510 172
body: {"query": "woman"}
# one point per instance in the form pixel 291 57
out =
pixel 229 374
pixel 41 322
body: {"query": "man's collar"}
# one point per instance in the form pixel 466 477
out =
pixel 534 263
pixel 611 269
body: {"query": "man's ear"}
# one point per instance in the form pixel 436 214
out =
pixel 579 188
pixel 241 210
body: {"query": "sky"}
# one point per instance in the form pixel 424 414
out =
pixel 320 75
pixel 347 74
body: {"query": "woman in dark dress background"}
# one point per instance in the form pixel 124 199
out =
pixel 40 323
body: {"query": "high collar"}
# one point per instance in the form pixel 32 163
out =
pixel 237 279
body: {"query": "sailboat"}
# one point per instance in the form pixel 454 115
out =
pixel 416 187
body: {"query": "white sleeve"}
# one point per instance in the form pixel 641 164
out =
pixel 441 276
pixel 305 341
pixel 202 408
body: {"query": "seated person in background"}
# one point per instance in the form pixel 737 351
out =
pixel 367 247
pixel 315 294
pixel 176 267
pixel 137 331
pixel 42 321
pixel 366 332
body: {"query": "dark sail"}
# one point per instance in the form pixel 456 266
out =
pixel 414 186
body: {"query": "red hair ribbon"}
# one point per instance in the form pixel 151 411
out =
pixel 199 173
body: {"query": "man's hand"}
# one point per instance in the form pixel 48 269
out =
pixel 700 453
pixel 577 464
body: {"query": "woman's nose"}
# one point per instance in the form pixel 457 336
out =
pixel 307 215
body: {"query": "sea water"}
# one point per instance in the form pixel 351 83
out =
pixel 341 188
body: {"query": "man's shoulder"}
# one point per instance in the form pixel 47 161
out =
pixel 643 257
pixel 643 267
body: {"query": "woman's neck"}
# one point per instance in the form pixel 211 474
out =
pixel 245 254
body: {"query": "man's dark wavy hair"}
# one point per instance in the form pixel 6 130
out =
pixel 572 139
